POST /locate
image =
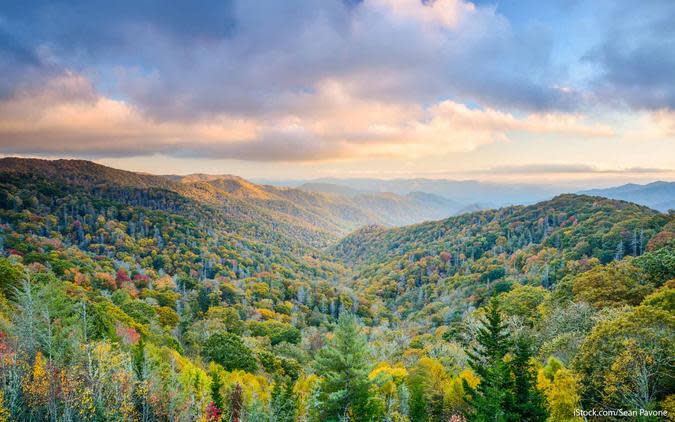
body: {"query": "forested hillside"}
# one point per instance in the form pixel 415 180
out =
pixel 134 297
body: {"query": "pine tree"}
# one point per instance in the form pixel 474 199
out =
pixel 492 397
pixel 343 364
pixel 528 404
pixel 283 403
pixel 216 385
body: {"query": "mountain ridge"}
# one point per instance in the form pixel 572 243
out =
pixel 659 195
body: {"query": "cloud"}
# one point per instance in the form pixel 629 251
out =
pixel 245 57
pixel 635 59
pixel 570 169
pixel 312 80
pixel 67 115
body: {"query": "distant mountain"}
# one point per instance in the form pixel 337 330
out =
pixel 400 210
pixel 391 208
pixel 460 191
pixel 473 208
pixel 657 195
pixel 329 188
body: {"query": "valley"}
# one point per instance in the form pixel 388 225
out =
pixel 131 296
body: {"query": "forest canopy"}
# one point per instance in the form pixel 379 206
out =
pixel 129 297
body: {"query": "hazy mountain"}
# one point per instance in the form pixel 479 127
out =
pixel 329 188
pixel 394 209
pixel 460 191
pixel 658 195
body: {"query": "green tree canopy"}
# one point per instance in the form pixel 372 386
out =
pixel 230 352
pixel 344 366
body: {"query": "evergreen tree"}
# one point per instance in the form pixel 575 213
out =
pixel 283 403
pixel 436 408
pixel 216 385
pixel 529 403
pixel 343 364
pixel 492 398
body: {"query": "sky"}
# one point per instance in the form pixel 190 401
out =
pixel 559 91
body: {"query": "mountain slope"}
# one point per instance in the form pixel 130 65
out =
pixel 658 195
pixel 256 210
pixel 227 201
pixel 125 296
pixel 453 262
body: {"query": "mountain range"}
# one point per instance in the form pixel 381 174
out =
pixel 657 195
pixel 471 195
pixel 466 192
pixel 133 296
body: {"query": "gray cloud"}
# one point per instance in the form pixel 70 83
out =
pixel 178 69
pixel 247 58
pixel 244 57
pixel 636 58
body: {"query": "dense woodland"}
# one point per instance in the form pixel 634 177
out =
pixel 143 298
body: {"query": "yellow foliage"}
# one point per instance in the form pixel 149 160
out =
pixel 668 405
pixel 388 378
pixel 253 386
pixel 398 373
pixel 560 387
pixel 305 384
pixel 471 378
pixel 4 413
pixel 165 282
pixel 267 314
pixel 303 389
pixel 36 386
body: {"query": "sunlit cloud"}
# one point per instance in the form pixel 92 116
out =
pixel 68 115
pixel 387 85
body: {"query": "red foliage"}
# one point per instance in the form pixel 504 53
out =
pixel 122 276
pixel 660 239
pixel 141 280
pixel 213 414
pixel 128 334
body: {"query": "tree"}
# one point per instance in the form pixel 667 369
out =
pixel 615 284
pixel 658 266
pixel 559 384
pixel 230 352
pixel 216 395
pixel 283 406
pixel 492 397
pixel 524 301
pixel 10 277
pixel 343 365
pixel 627 361
pixel 228 316
pixel 427 382
pixel 529 401
pixel 236 403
